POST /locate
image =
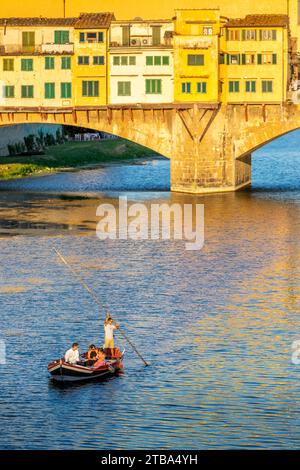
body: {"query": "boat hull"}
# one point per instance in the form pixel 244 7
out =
pixel 62 371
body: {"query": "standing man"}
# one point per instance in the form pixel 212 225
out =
pixel 109 328
pixel 72 355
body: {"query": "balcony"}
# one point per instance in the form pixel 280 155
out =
pixel 143 41
pixel 47 49
pixel 57 48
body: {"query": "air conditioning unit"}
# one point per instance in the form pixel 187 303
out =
pixel 135 42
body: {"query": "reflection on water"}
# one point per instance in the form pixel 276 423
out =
pixel 224 317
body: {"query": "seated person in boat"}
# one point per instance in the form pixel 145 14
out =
pixel 100 358
pixel 72 355
pixel 92 355
pixel 109 328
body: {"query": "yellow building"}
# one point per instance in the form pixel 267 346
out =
pixel 196 55
pixel 54 62
pixel 255 59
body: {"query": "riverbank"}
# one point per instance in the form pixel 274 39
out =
pixel 72 155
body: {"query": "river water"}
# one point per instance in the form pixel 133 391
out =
pixel 216 325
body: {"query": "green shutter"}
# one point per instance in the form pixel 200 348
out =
pixel 66 63
pixel 148 86
pixel 166 60
pixel 243 35
pixel 274 34
pixel 227 34
pixel 27 65
pixel 259 59
pixel 159 86
pixel 227 59
pixel 247 86
pixel 81 37
pixel 49 90
pixel 243 59
pixel 49 63
pixel 66 90
pixel 149 60
pixel 239 59
pixel 274 59
pixel 100 36
pixel 260 35
pixel 157 60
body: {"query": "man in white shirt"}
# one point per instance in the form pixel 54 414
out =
pixel 72 355
pixel 109 328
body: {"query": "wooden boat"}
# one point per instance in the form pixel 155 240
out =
pixel 62 371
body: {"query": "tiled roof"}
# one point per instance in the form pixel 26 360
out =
pixel 259 20
pixel 85 21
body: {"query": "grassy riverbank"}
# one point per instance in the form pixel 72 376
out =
pixel 72 155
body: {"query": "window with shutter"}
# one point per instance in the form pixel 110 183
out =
pixel 66 90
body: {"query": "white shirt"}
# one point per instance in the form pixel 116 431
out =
pixel 109 331
pixel 72 356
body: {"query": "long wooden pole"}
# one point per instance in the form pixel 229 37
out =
pixel 92 293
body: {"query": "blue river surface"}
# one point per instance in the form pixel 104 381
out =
pixel 217 324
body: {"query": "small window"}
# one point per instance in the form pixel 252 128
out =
pixel 9 91
pixel 49 91
pixel 83 60
pixel 124 60
pixel 8 65
pixel 66 90
pixel 166 60
pixel 66 63
pixel 234 86
pixel 27 65
pixel 49 63
pixel 90 88
pixel 124 88
pixel 149 60
pixel 98 60
pixel 157 60
pixel 195 59
pixel 201 87
pixel 186 87
pixel 27 91
pixel 116 60
pixel 153 86
pixel 250 86
pixel 81 37
pixel 132 60
pixel 61 37
pixel 267 86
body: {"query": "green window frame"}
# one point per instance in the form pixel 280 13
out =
pixel 166 60
pixel 61 37
pixel 124 88
pixel 50 91
pixel 90 88
pixel 83 60
pixel 157 60
pixel 98 60
pixel 66 63
pixel 81 37
pixel 49 63
pixel 201 87
pixel 8 65
pixel 8 91
pixel 195 59
pixel 186 87
pixel 66 90
pixel 234 86
pixel 250 86
pixel 149 60
pixel 27 65
pixel 153 86
pixel 27 91
pixel 267 86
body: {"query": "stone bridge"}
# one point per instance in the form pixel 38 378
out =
pixel 209 145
